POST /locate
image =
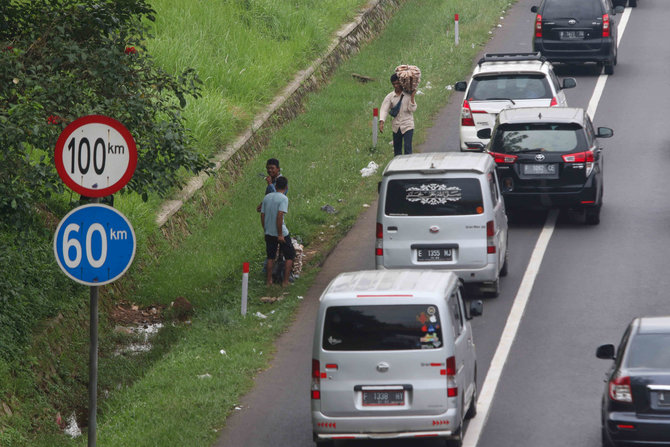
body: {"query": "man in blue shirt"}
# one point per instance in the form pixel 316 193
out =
pixel 273 209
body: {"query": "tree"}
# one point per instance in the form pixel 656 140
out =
pixel 62 59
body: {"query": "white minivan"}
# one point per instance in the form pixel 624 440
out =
pixel 443 211
pixel 393 357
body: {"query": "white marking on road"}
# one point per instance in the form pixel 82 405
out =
pixel 492 379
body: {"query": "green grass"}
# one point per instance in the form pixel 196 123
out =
pixel 158 398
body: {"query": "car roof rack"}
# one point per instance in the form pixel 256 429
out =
pixel 505 57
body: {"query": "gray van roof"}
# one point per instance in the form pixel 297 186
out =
pixel 388 283
pixel 439 162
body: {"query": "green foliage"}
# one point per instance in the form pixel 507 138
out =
pixel 62 59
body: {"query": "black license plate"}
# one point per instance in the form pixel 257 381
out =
pixel 434 254
pixel 540 168
pixel 383 397
pixel 572 35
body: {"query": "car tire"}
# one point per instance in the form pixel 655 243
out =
pixel 632 3
pixel 592 215
pixel 609 68
pixel 456 441
pixel 472 409
pixel 504 269
pixel 606 441
pixel 493 290
pixel 324 443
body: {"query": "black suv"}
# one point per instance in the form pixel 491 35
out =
pixel 576 31
pixel 549 157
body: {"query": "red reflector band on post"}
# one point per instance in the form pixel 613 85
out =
pixel 245 267
pixel 456 17
pixel 375 112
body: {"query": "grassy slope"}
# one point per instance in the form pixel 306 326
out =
pixel 321 152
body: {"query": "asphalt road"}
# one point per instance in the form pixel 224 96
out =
pixel 590 282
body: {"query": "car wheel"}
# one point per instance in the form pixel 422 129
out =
pixel 324 443
pixel 592 216
pixel 609 68
pixel 632 3
pixel 457 440
pixel 493 290
pixel 503 270
pixel 472 409
pixel 606 441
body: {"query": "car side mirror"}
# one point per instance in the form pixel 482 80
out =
pixel 569 83
pixel 605 352
pixel 604 132
pixel 460 86
pixel 533 8
pixel 476 308
pixel 484 133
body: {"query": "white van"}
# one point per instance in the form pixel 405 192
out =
pixel 393 357
pixel 443 211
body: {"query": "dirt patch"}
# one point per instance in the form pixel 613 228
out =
pixel 126 313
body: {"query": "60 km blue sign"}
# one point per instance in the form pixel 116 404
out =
pixel 94 244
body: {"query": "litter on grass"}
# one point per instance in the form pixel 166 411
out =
pixel 260 315
pixel 370 169
pixel 72 429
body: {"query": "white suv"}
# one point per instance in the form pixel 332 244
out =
pixel 502 81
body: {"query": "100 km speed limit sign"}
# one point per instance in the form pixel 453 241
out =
pixel 95 156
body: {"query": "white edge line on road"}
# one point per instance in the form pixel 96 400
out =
pixel 492 379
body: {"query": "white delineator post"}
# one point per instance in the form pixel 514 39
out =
pixel 375 126
pixel 456 29
pixel 245 286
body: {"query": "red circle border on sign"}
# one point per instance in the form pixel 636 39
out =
pixel 97 119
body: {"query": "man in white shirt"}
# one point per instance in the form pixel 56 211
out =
pixel 403 123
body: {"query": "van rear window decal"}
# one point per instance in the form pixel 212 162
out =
pixel 433 194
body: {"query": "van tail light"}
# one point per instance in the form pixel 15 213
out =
pixel 490 232
pixel 606 25
pixel 452 389
pixel 379 243
pixel 316 379
pixel 466 114
pixel 620 389
pixel 554 102
pixel 585 157
pixel 503 159
pixel 538 26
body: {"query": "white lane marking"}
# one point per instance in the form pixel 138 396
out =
pixel 509 333
pixel 487 393
pixel 602 79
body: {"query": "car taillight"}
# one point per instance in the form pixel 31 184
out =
pixel 466 114
pixel 538 26
pixel 585 157
pixel 504 159
pixel 620 389
pixel 554 102
pixel 316 379
pixel 379 247
pixel 490 232
pixel 606 25
pixel 452 389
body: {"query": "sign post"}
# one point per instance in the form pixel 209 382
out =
pixel 94 244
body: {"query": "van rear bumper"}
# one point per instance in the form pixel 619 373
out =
pixel 443 425
pixel 487 273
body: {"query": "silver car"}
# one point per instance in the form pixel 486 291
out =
pixel 393 357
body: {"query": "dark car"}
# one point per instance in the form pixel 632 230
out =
pixel 636 400
pixel 549 157
pixel 576 31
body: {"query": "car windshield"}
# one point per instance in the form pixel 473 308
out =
pixel 515 86
pixel 649 351
pixel 382 328
pixel 565 9
pixel 545 137
pixel 434 197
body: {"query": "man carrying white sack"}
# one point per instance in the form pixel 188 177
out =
pixel 401 108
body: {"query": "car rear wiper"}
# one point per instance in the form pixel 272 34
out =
pixel 501 99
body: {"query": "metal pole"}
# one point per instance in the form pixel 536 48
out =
pixel 375 126
pixel 245 287
pixel 456 29
pixel 93 363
